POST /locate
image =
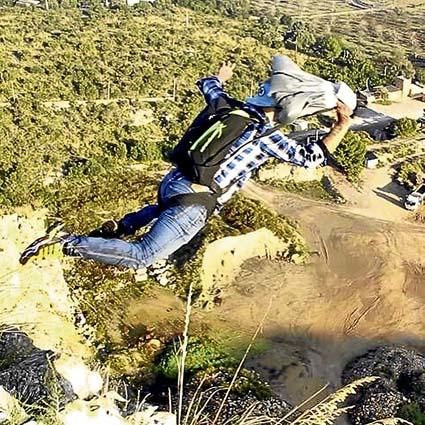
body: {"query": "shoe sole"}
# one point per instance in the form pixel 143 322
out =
pixel 34 248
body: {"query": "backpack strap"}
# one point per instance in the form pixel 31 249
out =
pixel 206 199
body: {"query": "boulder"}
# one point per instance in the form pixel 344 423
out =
pixel 401 371
pixel 27 372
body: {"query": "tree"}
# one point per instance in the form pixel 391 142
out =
pixel 404 127
pixel 329 48
pixel 268 32
pixel 350 154
pixel 299 36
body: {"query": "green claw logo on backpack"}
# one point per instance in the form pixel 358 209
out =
pixel 206 143
pixel 214 132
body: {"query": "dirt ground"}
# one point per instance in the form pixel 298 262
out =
pixel 378 196
pixel 364 285
pixel 410 108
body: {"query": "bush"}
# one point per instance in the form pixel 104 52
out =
pixel 409 172
pixel 350 154
pixel 320 190
pixel 412 413
pixel 328 47
pixel 267 32
pixel 404 127
pixel 201 354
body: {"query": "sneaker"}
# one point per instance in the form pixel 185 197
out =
pixel 48 246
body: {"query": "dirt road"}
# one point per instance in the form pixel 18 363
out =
pixel 378 197
pixel 365 284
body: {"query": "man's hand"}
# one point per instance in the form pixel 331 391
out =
pixel 340 128
pixel 343 112
pixel 226 71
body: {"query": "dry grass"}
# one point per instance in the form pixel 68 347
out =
pixel 387 26
pixel 325 412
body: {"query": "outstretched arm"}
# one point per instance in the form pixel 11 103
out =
pixel 339 129
pixel 212 87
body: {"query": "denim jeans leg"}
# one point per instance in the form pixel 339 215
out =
pixel 175 227
pixel 136 220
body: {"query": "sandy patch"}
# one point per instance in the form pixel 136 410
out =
pixel 35 297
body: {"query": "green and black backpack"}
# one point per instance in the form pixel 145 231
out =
pixel 206 143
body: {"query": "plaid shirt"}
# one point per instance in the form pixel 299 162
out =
pixel 246 154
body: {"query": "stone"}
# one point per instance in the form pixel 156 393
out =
pixel 154 344
pixel 163 280
pixel 141 275
pixel 149 416
pixel 29 377
pixel 85 383
pixel 401 372
pixel 163 418
pixel 9 405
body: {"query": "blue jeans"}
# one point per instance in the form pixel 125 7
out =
pixel 174 227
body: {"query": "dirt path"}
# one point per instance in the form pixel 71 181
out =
pixel 365 285
pixel 379 196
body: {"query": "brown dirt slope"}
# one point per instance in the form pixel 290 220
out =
pixel 365 284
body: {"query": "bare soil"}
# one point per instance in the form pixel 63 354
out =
pixel 364 286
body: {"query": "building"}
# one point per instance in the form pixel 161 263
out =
pixel 402 89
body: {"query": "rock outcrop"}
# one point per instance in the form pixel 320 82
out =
pixel 401 371
pixel 42 354
pixel 27 372
pixel 35 297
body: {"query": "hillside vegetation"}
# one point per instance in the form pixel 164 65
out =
pixel 49 56
pixel 129 77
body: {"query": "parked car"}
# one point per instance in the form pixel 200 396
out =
pixel 415 199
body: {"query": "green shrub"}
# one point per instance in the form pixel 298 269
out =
pixel 143 143
pixel 84 201
pixel 328 47
pixel 315 189
pixel 268 32
pixel 201 354
pixel 409 171
pixel 412 413
pixel 247 215
pixel 350 154
pixel 404 127
pixel 248 382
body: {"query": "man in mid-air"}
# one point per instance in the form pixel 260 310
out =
pixel 227 142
